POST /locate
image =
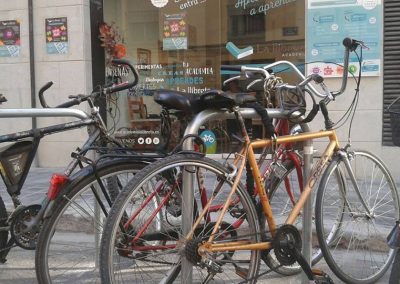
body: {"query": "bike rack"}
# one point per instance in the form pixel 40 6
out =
pixel 187 208
pixel 38 112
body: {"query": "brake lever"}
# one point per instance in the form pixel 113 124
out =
pixel 319 80
pixel 361 44
pixel 239 77
pixel 325 90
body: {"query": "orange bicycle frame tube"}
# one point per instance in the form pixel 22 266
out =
pixel 248 150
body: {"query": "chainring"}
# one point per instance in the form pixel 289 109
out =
pixel 24 237
pixel 287 239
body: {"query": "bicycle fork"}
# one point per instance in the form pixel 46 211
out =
pixel 344 157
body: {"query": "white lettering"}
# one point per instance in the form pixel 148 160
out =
pixel 262 8
pixel 189 3
pixel 244 3
pixel 154 80
pixel 200 71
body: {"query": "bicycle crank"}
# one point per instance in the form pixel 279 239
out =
pixel 24 229
pixel 287 240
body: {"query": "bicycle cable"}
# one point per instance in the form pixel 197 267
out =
pixel 350 113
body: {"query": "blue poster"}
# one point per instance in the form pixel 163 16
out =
pixel 329 22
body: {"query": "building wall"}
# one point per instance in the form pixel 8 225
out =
pixel 71 73
pixel 366 131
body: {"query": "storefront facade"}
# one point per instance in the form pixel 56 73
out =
pixel 181 45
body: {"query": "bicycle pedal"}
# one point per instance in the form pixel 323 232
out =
pixel 241 272
pixel 321 277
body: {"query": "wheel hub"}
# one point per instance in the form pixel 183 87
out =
pixel 191 251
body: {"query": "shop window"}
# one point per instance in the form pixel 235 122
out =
pixel 182 44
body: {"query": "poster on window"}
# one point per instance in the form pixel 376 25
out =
pixel 10 41
pixel 56 35
pixel 329 22
pixel 175 32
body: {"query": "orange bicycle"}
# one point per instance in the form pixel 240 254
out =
pixel 143 242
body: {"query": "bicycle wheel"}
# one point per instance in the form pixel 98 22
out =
pixel 67 249
pixel 3 224
pixel 356 251
pixel 284 191
pixel 135 248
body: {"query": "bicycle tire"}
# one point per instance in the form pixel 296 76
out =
pixel 164 261
pixel 72 223
pixel 353 228
pixel 3 223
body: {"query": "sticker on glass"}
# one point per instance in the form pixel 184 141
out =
pixel 159 3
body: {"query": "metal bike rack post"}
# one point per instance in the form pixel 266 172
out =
pixel 45 112
pixel 188 192
pixel 308 208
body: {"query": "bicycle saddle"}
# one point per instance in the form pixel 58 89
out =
pixel 195 103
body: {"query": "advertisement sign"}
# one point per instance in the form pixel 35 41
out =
pixel 10 43
pixel 175 32
pixel 56 35
pixel 329 22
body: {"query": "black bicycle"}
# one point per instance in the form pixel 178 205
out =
pixel 86 189
pixel 68 242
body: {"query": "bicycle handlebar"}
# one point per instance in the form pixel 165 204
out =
pixel 41 91
pixel 349 44
pixel 70 103
pixel 124 85
pixel 76 100
pixel 231 67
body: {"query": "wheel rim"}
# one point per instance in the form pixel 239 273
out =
pixel 357 251
pixel 163 262
pixel 72 241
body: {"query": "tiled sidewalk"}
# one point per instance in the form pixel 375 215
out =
pixel 19 269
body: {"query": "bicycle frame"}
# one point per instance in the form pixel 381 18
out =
pixel 248 151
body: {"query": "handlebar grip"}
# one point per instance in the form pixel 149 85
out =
pixel 351 44
pixel 68 104
pixel 118 88
pixel 41 91
pixel 231 67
